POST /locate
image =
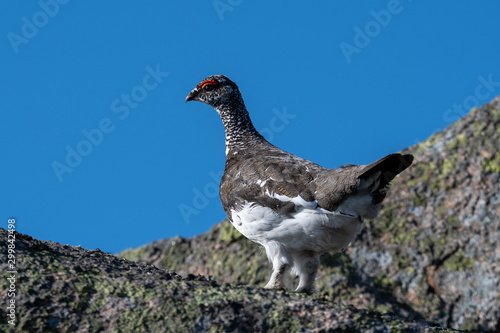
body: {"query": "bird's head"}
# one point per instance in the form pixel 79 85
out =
pixel 215 90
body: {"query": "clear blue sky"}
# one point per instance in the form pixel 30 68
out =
pixel 99 149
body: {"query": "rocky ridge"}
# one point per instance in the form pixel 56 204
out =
pixel 432 254
pixel 61 288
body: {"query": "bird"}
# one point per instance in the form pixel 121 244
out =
pixel 296 209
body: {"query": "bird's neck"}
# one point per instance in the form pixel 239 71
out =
pixel 240 132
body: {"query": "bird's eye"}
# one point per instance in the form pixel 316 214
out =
pixel 208 85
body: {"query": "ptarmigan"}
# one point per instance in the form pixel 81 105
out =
pixel 295 208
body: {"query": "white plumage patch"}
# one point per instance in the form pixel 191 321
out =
pixel 298 201
pixel 261 183
pixel 310 228
pixel 360 204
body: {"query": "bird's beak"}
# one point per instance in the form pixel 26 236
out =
pixel 191 95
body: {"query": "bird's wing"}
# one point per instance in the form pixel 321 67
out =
pixel 286 184
pixel 271 177
pixel 267 182
pixel 335 185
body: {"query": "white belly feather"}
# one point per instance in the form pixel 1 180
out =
pixel 310 228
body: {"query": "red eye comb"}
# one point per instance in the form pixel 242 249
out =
pixel 208 82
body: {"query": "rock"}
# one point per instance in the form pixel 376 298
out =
pixel 61 288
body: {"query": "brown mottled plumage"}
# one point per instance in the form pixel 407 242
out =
pixel 293 207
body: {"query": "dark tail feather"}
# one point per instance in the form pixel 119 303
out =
pixel 389 167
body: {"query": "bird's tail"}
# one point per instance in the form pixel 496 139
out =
pixel 377 175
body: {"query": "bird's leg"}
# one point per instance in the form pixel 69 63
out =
pixel 306 268
pixel 278 276
pixel 280 259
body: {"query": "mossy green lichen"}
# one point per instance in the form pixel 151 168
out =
pixel 449 165
pixel 433 245
pixel 479 127
pixel 440 210
pixel 470 325
pixel 423 147
pixel 492 164
pixel 419 200
pixel 228 233
pixel 423 171
pixel 460 141
pixel 437 185
pixel 403 236
pixel 136 253
pixel 453 221
pixel 411 182
pixel 496 114
pixel 385 282
pixel 459 262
